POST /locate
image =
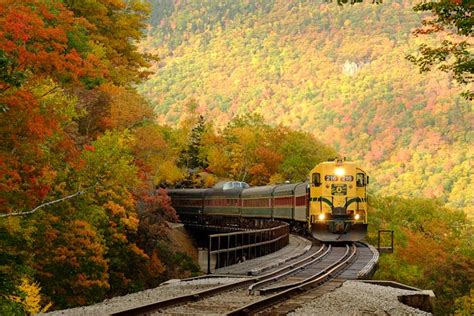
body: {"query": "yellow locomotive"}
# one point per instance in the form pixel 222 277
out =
pixel 338 201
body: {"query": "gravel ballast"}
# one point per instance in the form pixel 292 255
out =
pixel 220 304
pixel 358 298
pixel 352 298
pixel 166 291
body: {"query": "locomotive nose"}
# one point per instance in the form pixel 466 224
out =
pixel 331 233
pixel 339 211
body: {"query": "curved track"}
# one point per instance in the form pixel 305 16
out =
pixel 307 279
pixel 280 285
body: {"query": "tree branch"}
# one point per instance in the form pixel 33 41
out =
pixel 47 204
pixel 49 91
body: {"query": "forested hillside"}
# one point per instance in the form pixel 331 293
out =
pixel 338 72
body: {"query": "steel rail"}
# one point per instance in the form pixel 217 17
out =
pixel 312 277
pixel 147 308
pixel 283 295
pixel 292 268
pixel 143 309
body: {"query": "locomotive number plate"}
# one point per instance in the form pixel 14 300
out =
pixel 339 189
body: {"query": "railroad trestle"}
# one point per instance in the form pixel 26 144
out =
pixel 229 244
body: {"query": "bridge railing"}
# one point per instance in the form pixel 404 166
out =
pixel 235 247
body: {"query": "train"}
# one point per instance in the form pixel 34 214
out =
pixel 331 205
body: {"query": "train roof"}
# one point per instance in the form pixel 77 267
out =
pixel 187 192
pixel 259 191
pixel 284 189
pixel 224 193
pixel 290 188
pixel 266 190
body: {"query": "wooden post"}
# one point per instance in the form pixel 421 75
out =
pixel 392 242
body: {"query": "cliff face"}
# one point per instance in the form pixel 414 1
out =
pixel 337 71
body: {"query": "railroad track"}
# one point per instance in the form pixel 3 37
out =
pixel 327 262
pixel 257 293
pixel 307 280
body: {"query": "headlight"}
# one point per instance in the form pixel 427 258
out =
pixel 356 217
pixel 340 171
pixel 321 217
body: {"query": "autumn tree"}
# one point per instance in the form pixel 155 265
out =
pixel 301 152
pixel 157 153
pixel 246 137
pixel 432 246
pixel 452 21
pixel 250 150
pixel 192 156
pixel 35 145
pixel 112 30
pixel 70 259
pixel 36 42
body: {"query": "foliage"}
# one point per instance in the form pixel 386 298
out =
pixel 71 124
pixel 433 247
pixel 300 152
pixel 192 156
pixel 127 109
pixel 157 153
pixel 111 30
pixel 34 142
pixel 70 259
pixel 465 304
pixel 13 263
pixel 453 19
pixel 250 150
pixel 336 72
pixel 34 43
pixel 9 306
pixel 32 299
pixel 154 211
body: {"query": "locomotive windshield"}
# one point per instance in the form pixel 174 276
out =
pixel 316 179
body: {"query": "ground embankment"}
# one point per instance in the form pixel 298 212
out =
pixel 182 241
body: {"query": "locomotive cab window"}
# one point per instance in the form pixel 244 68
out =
pixel 360 180
pixel 316 179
